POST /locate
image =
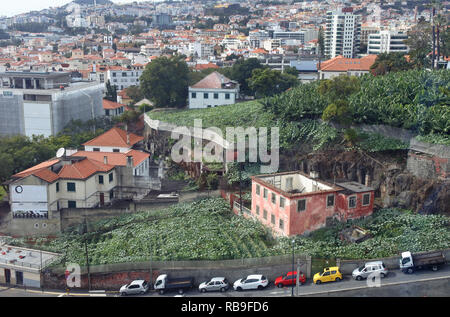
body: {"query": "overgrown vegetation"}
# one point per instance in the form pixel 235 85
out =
pixel 207 230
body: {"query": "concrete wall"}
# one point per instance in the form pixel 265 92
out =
pixel 11 109
pixel 347 266
pixel 112 276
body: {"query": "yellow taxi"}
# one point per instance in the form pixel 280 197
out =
pixel 329 274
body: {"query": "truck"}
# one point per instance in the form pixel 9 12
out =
pixel 163 283
pixel 412 262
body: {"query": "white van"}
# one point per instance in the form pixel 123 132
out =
pixel 369 268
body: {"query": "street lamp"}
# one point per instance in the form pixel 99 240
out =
pixel 293 264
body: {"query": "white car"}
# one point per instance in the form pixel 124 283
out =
pixel 135 287
pixel 256 281
pixel 215 284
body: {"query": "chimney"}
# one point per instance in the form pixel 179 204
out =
pixel 130 161
pixel 105 160
pixel 314 174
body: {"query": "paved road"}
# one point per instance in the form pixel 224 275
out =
pixel 421 283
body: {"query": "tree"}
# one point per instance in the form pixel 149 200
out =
pixel 111 92
pixel 392 62
pixel 266 82
pixel 419 41
pixel 242 70
pixel 165 81
pixel 291 71
pixel 321 42
pixel 135 93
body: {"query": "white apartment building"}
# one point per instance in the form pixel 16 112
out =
pixel 387 42
pixel 342 34
pixel 213 90
pixel 123 78
pixel 201 49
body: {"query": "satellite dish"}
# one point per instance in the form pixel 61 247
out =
pixel 61 152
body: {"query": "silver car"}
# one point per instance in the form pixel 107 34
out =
pixel 135 287
pixel 215 284
pixel 364 271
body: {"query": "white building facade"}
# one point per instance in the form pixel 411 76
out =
pixel 342 34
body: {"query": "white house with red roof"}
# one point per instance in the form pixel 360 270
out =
pixel 340 65
pixel 213 90
pixel 112 109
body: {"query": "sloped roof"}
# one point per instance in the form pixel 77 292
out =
pixel 342 64
pixel 115 158
pixel 115 137
pixel 36 168
pixel 213 80
pixel 83 169
pixel 108 104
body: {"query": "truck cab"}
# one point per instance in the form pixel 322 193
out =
pixel 160 282
pixel 406 261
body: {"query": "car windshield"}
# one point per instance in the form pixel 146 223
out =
pixel 361 268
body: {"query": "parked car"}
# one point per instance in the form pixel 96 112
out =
pixel 329 274
pixel 290 279
pixel 256 281
pixel 215 284
pixel 411 262
pixel 135 287
pixel 369 268
pixel 164 283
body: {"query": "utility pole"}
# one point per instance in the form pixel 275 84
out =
pixel 240 187
pixel 433 12
pixel 293 263
pixel 297 283
pixel 151 267
pixel 87 255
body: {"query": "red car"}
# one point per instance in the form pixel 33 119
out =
pixel 290 279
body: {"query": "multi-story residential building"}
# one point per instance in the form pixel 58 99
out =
pixel 342 33
pixel 43 103
pixel 295 203
pixel 201 49
pixel 213 90
pixel 123 77
pixel 387 42
pixel 366 30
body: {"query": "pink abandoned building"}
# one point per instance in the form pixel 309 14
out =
pixel 294 203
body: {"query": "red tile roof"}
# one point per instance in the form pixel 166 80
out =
pixel 205 66
pixel 115 137
pixel 108 104
pixel 213 80
pixel 36 168
pixel 341 64
pixel 83 169
pixel 114 158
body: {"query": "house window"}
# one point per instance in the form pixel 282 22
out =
pixel 281 224
pixel 72 204
pixel 227 96
pixel 282 202
pixel 111 195
pixel 57 187
pixel 265 214
pixel 216 95
pixel 111 177
pixel 106 113
pixel 116 150
pixel 100 179
pixel 352 202
pixel 272 218
pixel 274 198
pixel 71 187
pixel 330 201
pixel 194 95
pixel 96 149
pixel 257 190
pixel 257 210
pixel 205 95
pixel 366 200
pixel 301 205
pixel 265 193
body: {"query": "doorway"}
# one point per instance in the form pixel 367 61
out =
pixel 7 276
pixel 102 199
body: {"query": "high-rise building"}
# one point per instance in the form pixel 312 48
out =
pixel 342 34
pixel 387 42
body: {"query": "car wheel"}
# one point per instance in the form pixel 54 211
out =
pixel 318 282
pixel 434 268
pixel 223 289
pixel 161 292
pixel 142 293
pixel 239 289
pixel 410 271
pixel 180 291
pixel 123 294
pixel 358 278
pixel 203 290
pixel 337 279
pixel 280 285
pixel 383 275
pixel 260 287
